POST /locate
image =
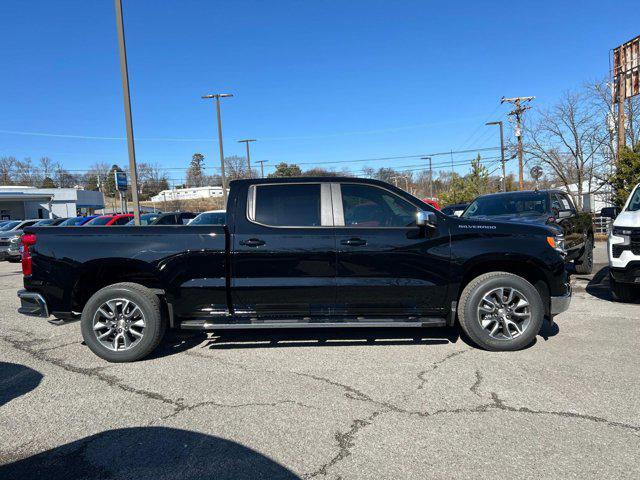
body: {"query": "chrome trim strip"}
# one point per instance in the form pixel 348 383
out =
pixel 560 304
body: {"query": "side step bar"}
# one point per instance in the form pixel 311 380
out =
pixel 208 325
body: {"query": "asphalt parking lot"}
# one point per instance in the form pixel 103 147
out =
pixel 326 404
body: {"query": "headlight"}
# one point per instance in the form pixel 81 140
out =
pixel 557 243
pixel 620 236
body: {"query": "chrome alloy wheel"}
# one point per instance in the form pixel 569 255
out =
pixel 119 324
pixel 504 313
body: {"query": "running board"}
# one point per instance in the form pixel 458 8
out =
pixel 208 325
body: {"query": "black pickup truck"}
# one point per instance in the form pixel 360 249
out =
pixel 553 208
pixel 298 252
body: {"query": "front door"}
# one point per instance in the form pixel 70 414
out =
pixel 387 266
pixel 284 253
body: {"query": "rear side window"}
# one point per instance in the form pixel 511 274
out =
pixel 288 205
pixel 122 221
pixel 367 206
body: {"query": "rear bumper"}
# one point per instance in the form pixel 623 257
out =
pixel 32 304
pixel 560 303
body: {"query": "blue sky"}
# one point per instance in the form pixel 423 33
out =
pixel 314 81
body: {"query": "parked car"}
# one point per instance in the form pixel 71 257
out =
pixel 624 250
pixel 77 221
pixel 49 222
pixel 145 219
pixel 173 218
pixel 212 217
pixel 553 208
pixel 11 232
pixel 455 209
pixel 109 220
pixel 294 254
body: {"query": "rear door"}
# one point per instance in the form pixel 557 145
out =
pixel 386 264
pixel 284 253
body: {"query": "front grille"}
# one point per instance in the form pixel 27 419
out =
pixel 4 243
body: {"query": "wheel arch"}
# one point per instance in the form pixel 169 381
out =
pixel 529 268
pixel 98 274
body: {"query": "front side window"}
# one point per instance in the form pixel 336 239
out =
pixel 367 206
pixel 634 202
pixel 288 205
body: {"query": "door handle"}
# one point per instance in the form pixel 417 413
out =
pixel 252 242
pixel 354 242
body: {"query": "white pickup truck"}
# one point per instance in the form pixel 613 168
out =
pixel 624 250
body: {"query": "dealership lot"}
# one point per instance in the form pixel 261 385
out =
pixel 326 404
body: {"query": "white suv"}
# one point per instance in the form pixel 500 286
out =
pixel 624 250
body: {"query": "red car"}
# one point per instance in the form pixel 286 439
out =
pixel 431 202
pixel 108 220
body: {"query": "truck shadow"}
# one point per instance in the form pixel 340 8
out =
pixel 599 286
pixel 16 380
pixel 147 453
pixel 331 337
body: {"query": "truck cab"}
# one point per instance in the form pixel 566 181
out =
pixel 624 250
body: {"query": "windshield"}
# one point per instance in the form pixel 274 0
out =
pixel 145 219
pixel 71 222
pixel 512 204
pixel 98 221
pixel 210 218
pixel 45 222
pixel 9 226
pixel 634 202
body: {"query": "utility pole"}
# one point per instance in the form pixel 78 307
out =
pixel 133 171
pixel 517 113
pixel 430 176
pixel 218 96
pixel 246 142
pixel 504 172
pixel 621 130
pixel 262 162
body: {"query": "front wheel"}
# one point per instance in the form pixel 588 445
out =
pixel 501 311
pixel 122 322
pixel 584 264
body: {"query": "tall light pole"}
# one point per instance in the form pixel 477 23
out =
pixel 133 171
pixel 246 142
pixel 218 96
pixel 504 173
pixel 262 162
pixel 430 177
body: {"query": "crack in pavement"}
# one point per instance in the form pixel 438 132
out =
pixel 346 440
pixel 435 365
pixel 235 405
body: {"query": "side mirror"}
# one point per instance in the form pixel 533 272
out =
pixel 426 219
pixel 564 214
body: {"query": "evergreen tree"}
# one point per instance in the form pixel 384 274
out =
pixel 627 174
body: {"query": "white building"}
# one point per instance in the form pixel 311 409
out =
pixel 592 201
pixel 187 194
pixel 17 202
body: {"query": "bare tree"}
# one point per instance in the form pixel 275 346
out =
pixel 236 168
pixel 571 139
pixel 7 166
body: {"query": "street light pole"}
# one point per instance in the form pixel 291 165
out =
pixel 262 162
pixel 430 177
pixel 218 96
pixel 246 142
pixel 133 172
pixel 504 173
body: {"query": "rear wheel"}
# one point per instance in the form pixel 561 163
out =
pixel 624 292
pixel 501 311
pixel 584 263
pixel 122 322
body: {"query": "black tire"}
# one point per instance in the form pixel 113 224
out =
pixel 584 263
pixel 623 292
pixel 149 304
pixel 470 301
